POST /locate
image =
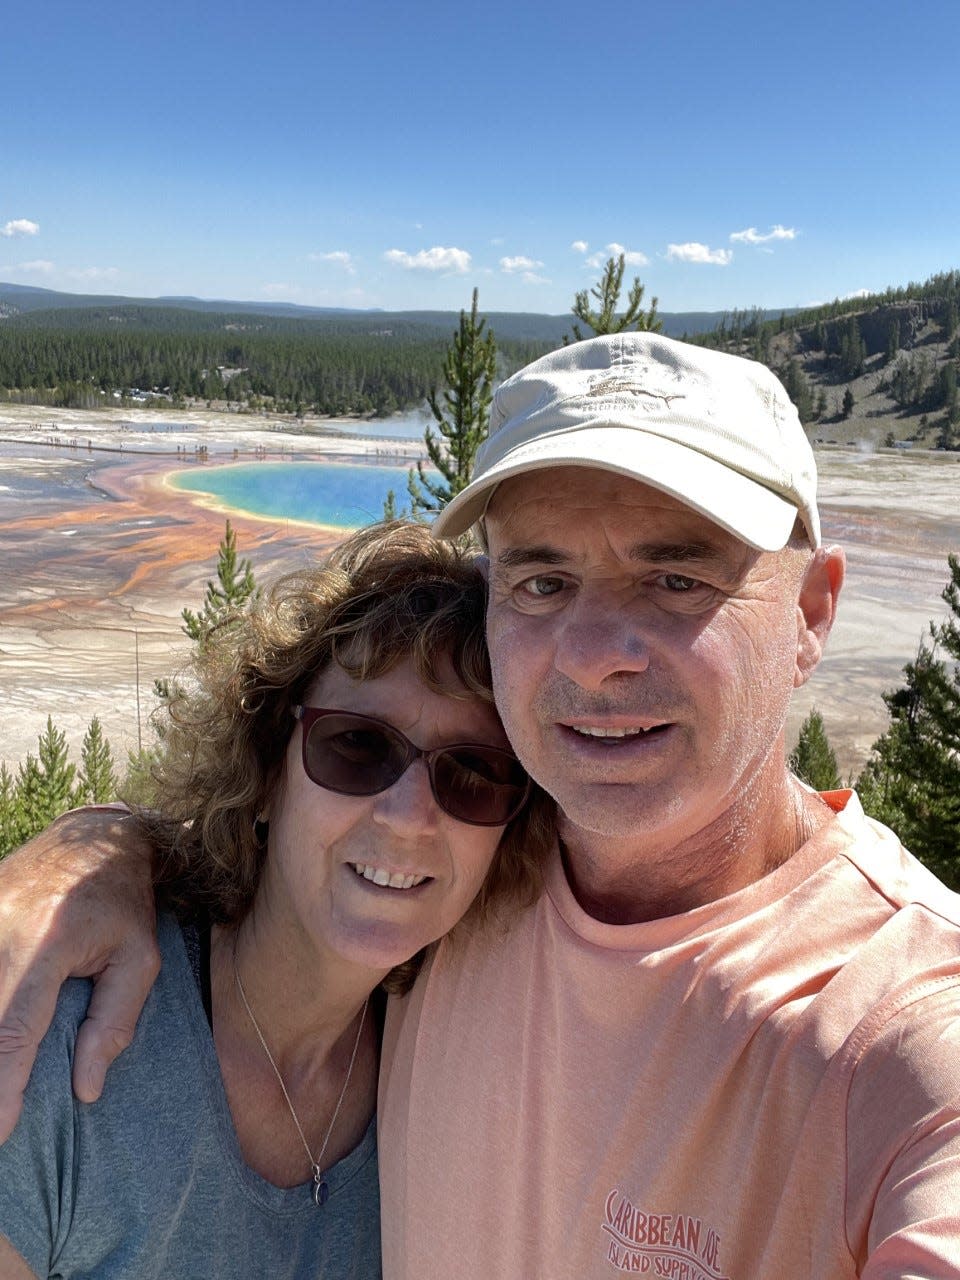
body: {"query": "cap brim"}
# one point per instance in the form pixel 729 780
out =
pixel 750 511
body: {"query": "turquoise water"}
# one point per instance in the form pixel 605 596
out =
pixel 342 494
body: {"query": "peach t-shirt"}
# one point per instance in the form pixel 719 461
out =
pixel 765 1088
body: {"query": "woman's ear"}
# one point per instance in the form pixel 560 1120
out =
pixel 817 608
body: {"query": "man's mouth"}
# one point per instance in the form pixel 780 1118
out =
pixel 615 734
pixel 387 879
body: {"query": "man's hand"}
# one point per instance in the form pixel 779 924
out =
pixel 76 901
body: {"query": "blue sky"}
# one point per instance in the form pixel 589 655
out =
pixel 373 154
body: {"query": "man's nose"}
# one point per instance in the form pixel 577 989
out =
pixel 408 807
pixel 597 642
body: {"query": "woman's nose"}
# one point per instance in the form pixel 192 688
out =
pixel 408 806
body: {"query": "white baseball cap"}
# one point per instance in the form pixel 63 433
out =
pixel 715 431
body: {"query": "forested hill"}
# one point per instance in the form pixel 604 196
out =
pixel 877 370
pixel 882 369
pixel 87 352
pixel 92 310
pixel 134 352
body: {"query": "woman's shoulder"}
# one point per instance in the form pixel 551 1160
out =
pixel 74 1000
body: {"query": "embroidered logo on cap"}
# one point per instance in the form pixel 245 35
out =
pixel 614 386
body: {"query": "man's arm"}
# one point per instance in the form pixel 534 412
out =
pixel 903 1134
pixel 915 1230
pixel 76 901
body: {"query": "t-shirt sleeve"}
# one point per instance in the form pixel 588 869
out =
pixel 37 1162
pixel 903 1170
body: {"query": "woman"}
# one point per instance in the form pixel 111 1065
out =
pixel 336 791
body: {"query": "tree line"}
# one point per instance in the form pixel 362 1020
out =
pixel 751 330
pixel 839 339
pixel 293 371
pixel 48 783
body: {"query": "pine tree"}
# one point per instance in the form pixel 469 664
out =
pixel 470 368
pixel 30 807
pixel 55 768
pixel 951 318
pixel 893 341
pixel 812 759
pixel 797 387
pixel 96 781
pixel 912 779
pixel 607 293
pixel 948 393
pixel 848 402
pixel 853 350
pixel 8 811
pixel 44 785
pixel 234 589
pixel 138 786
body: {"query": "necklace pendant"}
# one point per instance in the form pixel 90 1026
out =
pixel 321 1192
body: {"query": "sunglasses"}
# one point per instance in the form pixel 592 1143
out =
pixel 361 756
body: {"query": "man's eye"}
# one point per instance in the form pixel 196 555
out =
pixel 543 586
pixel 678 582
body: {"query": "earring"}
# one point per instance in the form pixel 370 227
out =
pixel 261 829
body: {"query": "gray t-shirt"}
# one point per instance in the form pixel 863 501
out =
pixel 150 1180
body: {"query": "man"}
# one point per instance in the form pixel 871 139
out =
pixel 724 1042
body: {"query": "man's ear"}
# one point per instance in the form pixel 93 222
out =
pixel 817 608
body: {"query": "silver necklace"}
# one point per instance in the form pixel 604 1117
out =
pixel 319 1187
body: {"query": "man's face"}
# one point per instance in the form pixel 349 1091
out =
pixel 643 658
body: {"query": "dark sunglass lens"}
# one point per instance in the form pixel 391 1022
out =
pixel 480 785
pixel 351 755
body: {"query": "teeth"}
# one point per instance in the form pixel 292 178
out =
pixel 384 878
pixel 592 732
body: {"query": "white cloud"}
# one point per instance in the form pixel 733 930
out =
pixel 531 277
pixel 19 227
pixel 844 297
pixel 338 257
pixel 580 246
pixel 693 251
pixel 41 265
pixel 520 263
pixel 752 236
pixel 632 257
pixel 93 273
pixel 436 259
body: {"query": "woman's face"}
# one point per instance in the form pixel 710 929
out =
pixel 324 848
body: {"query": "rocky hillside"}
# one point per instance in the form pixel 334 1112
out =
pixel 881 371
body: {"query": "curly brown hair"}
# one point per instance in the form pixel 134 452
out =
pixel 387 593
